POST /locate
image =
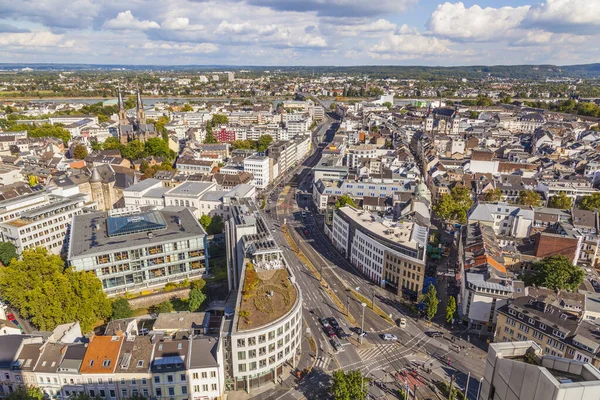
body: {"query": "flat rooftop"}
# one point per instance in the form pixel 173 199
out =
pixel 90 236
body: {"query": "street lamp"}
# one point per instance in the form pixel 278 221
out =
pixel 479 389
pixel 362 324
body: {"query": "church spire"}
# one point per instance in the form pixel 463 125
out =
pixel 141 115
pixel 121 108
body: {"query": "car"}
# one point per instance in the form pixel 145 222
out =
pixel 402 323
pixel 434 334
pixel 324 321
pixel 333 322
pixel 358 331
pixel 10 316
pixel 389 336
pixel 341 333
pixel 329 330
pixel 303 214
pixel 594 283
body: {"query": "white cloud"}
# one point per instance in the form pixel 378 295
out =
pixel 126 21
pixel 455 21
pixel 246 28
pixel 33 39
pixel 180 23
pixel 409 46
pixel 565 15
pixel 375 27
pixel 185 48
pixel 52 13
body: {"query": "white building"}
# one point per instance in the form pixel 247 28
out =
pixel 259 167
pixel 505 219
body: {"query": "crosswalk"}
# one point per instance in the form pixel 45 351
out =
pixel 323 363
pixel 373 352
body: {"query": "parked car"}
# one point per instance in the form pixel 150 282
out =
pixel 333 322
pixel 402 323
pixel 389 336
pixel 359 331
pixel 324 321
pixel 434 334
pixel 10 316
pixel 329 330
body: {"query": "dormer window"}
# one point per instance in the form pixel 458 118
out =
pixel 106 363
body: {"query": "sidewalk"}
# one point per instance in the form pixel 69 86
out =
pixel 287 380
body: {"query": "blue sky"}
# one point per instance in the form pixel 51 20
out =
pixel 300 32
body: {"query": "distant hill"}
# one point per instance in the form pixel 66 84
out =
pixel 374 71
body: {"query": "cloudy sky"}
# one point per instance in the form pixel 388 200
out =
pixel 300 32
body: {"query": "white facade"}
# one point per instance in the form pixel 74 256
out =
pixel 259 167
pixel 367 254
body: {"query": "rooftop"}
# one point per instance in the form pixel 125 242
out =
pixel 91 233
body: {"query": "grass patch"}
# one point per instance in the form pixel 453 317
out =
pixel 377 310
pixel 138 312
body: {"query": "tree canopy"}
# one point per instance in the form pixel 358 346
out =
pixel 26 392
pixel 349 385
pixel 7 252
pixel 187 108
pixel 164 307
pixel 492 195
pixel 121 309
pixel 454 205
pixel 450 309
pixel 560 200
pixel 209 138
pixel 431 302
pixel 555 272
pixel 590 202
pixel 263 142
pixel 80 152
pixel 219 119
pixel 196 299
pixel 529 198
pixel 42 289
pixel 345 200
pixel 212 225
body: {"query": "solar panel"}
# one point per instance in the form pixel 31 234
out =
pixel 130 224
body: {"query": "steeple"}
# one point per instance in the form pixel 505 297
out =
pixel 141 116
pixel 121 109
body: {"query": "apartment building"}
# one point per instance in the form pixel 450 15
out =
pixel 503 218
pixel 10 175
pixel 390 253
pixel 132 250
pixel 41 220
pixel 259 167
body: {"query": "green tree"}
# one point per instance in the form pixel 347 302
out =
pixel 474 114
pixel 219 119
pixel 7 252
pixel 450 309
pixel 506 100
pixel 493 195
pixel 42 289
pixel 80 152
pixel 484 101
pixel 345 200
pixel 134 150
pixel 121 309
pixel 529 198
pixel 32 180
pixel 210 138
pixel 241 144
pixel 187 108
pixel 216 225
pixel 388 105
pixel 560 200
pixel 197 297
pixel 431 302
pixel 158 148
pixel 205 221
pixel 112 143
pixel 198 284
pixel 454 205
pixel 590 202
pixel 263 142
pixel 555 273
pixel 351 385
pixel 96 146
pixel 26 392
pixel 332 106
pixel 164 307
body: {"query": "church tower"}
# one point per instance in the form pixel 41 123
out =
pixel 121 110
pixel 141 116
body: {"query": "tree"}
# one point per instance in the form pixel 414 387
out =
pixel 484 101
pixel 197 297
pixel 590 202
pixel 474 114
pixel 216 226
pixel 506 100
pixel 111 143
pixel 80 152
pixel 241 144
pixel 26 393
pixel 345 200
pixel 454 205
pixel 450 309
pixel 219 119
pixel 205 221
pixel 263 142
pixel 529 198
pixel 42 289
pixel 121 309
pixel 492 195
pixel 388 105
pixel 157 147
pixel 332 106
pixel 198 284
pixel 555 273
pixel 164 307
pixel 14 149
pixel 7 252
pixel 209 139
pixel 431 302
pixel 560 200
pixel 187 108
pixel 134 150
pixel 349 385
pixel 32 180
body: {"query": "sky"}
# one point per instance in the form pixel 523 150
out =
pixel 300 32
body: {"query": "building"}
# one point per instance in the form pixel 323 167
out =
pixel 134 128
pixel 258 344
pixel 520 370
pixel 10 175
pixel 505 219
pixel 260 168
pixel 130 250
pixel 390 253
pixel 46 224
pixel 190 194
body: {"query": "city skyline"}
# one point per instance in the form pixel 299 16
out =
pixel 317 32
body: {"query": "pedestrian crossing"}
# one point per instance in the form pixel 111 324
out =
pixel 373 352
pixel 323 363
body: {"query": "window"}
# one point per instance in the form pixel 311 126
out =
pixel 158 392
pixel 157 379
pixel 171 391
pixel 213 387
pixel 92 393
pixel 213 374
pixel 542 327
pixel 145 392
pixel 123 393
pixel 106 363
pixel 251 341
pixel 182 377
pixel 112 393
pixel 102 393
pixel 195 374
pixel 205 388
pixel 241 343
pixel 140 364
pixel 144 381
pixel 204 375
pixel 133 381
pixel 242 368
pixel 251 353
pixel 170 378
pixel 184 389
